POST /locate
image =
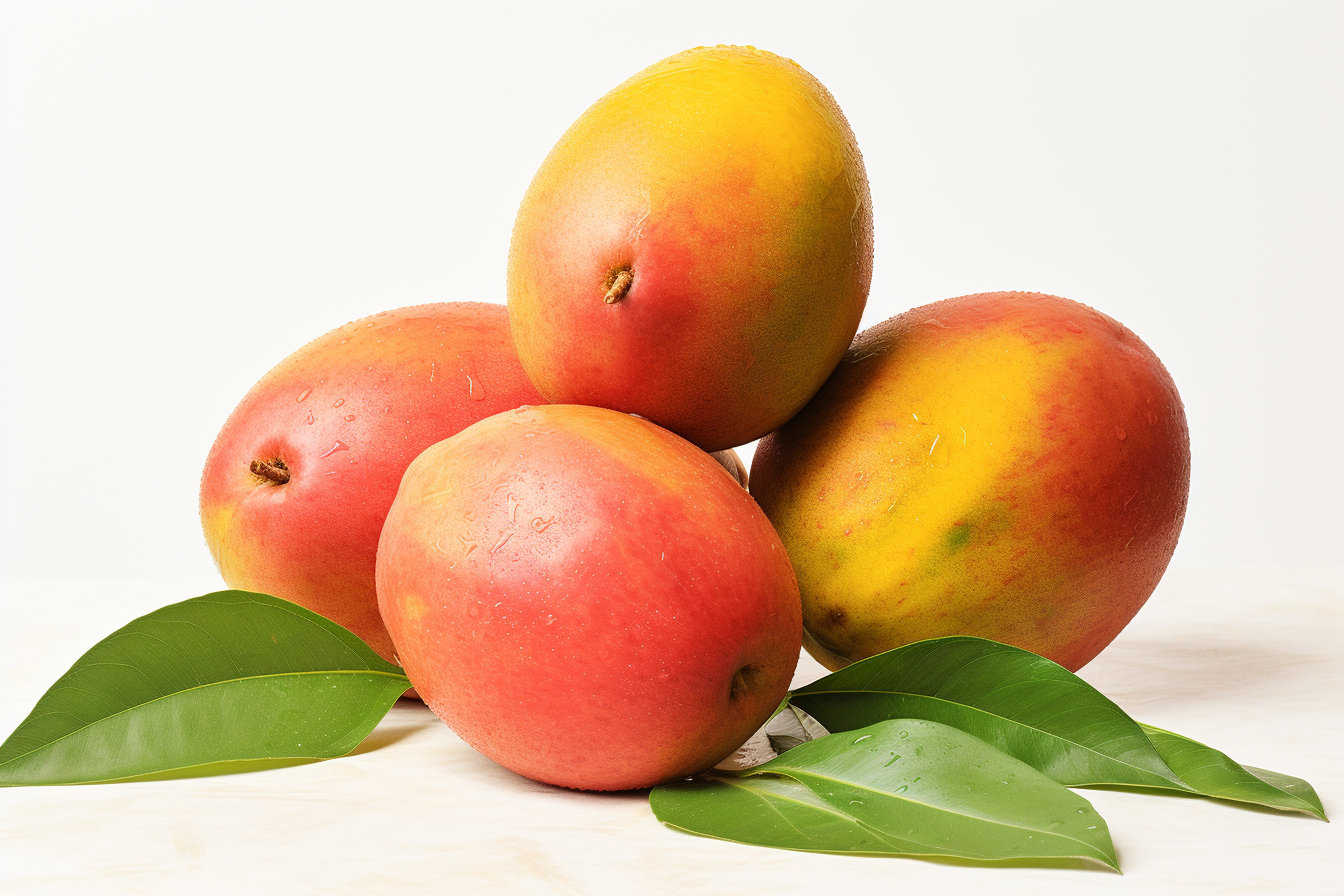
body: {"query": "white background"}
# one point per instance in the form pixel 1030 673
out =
pixel 189 192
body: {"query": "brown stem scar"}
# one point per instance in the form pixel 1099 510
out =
pixel 620 285
pixel 738 688
pixel 273 470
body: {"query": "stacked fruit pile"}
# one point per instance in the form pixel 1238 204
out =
pixel 521 509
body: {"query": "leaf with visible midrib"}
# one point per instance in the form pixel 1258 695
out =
pixel 233 678
pixel 900 787
pixel 1213 773
pixel 1039 712
pixel 1024 704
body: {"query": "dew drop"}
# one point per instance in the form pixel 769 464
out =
pixel 1151 417
pixel 338 402
pixel 1119 433
pixel 475 389
pixel 862 739
pixel 1073 327
pixel 902 789
pixel 304 394
pixel 349 417
pixel 339 446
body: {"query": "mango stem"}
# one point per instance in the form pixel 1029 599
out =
pixel 619 287
pixel 274 470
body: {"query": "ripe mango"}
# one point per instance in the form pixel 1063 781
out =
pixel 586 598
pixel 697 248
pixel 1008 465
pixel 300 478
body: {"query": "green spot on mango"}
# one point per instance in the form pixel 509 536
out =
pixel 957 538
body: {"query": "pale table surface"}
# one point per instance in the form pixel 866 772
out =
pixel 1250 662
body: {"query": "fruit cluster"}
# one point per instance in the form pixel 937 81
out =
pixel 521 508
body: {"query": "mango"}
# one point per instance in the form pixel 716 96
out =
pixel 586 598
pixel 1008 465
pixel 696 249
pixel 301 476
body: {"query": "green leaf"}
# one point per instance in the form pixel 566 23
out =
pixel 900 787
pixel 233 680
pixel 1021 703
pixel 1041 713
pixel 1213 773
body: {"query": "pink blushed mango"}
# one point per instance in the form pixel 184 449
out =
pixel 300 478
pixel 586 598
pixel 697 248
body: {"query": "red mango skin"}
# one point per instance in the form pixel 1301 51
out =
pixel 347 413
pixel 728 183
pixel 1008 465
pixel 588 599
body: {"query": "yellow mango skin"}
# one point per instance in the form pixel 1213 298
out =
pixel 1008 465
pixel 728 183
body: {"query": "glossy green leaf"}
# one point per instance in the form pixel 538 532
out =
pixel 232 680
pixel 900 787
pixel 1039 712
pixel 1212 773
pixel 1021 703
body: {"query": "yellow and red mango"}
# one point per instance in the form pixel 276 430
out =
pixel 586 598
pixel 300 478
pixel 1008 465
pixel 697 248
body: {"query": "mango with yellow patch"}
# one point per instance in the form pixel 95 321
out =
pixel 697 248
pixel 1008 465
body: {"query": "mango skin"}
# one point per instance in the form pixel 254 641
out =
pixel 574 590
pixel 728 182
pixel 347 413
pixel 1008 465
